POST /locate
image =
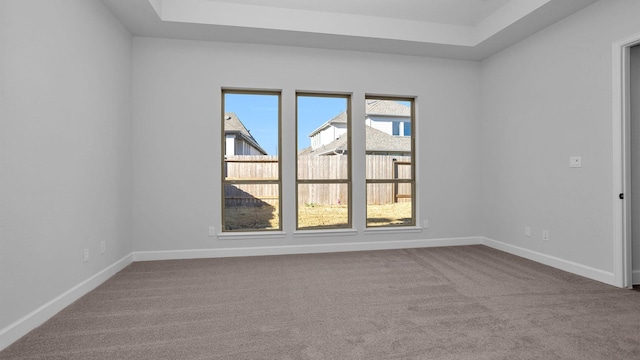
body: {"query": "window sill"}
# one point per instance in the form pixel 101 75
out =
pixel 320 232
pixel 252 235
pixel 392 230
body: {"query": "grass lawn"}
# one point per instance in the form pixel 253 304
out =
pixel 389 214
pixel 266 217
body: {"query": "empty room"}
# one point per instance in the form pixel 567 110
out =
pixel 352 179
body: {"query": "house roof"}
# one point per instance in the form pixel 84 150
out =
pixel 233 125
pixel 387 108
pixel 376 140
pixel 380 141
pixel 338 119
pixel 374 107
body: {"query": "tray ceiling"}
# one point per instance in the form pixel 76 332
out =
pixel 457 29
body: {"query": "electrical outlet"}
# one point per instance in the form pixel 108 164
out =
pixel 85 255
pixel 212 231
pixel 545 235
pixel 425 224
pixel 103 247
pixel 575 161
pixel 527 231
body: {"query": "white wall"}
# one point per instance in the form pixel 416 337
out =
pixel 177 135
pixel 494 140
pixel 635 160
pixel 65 149
pixel 543 100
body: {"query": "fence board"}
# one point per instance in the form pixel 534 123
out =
pixel 257 167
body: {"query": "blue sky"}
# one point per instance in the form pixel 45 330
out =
pixel 259 114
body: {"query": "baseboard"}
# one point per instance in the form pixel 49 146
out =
pixel 21 327
pixel 301 249
pixel 29 322
pixel 635 277
pixel 568 266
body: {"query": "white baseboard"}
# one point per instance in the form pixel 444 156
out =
pixel 21 327
pixel 301 249
pixel 635 277
pixel 29 322
pixel 568 266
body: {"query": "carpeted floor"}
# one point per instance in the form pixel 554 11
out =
pixel 468 302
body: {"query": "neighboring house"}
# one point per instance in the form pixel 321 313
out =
pixel 378 143
pixel 389 117
pixel 329 131
pixel 239 140
pixel 388 131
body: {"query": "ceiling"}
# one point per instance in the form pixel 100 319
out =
pixel 457 29
pixel 455 12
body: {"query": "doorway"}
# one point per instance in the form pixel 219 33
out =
pixel 622 195
pixel 634 119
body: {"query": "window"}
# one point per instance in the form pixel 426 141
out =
pixel 323 183
pixel 396 128
pixel 390 170
pixel 407 128
pixel 251 174
pixel 401 128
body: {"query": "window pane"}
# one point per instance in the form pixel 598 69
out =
pixel 323 137
pixel 407 128
pixel 250 167
pixel 251 207
pixel 389 204
pixel 395 130
pixel 323 164
pixel 389 157
pixel 251 136
pixel 386 128
pixel 323 205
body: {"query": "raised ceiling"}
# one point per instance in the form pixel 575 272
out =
pixel 457 29
pixel 454 12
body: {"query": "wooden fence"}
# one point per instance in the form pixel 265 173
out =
pixel 252 167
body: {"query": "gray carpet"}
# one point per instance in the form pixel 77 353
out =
pixel 468 302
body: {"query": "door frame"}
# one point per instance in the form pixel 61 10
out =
pixel 623 275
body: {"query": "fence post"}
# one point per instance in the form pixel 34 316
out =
pixel 395 177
